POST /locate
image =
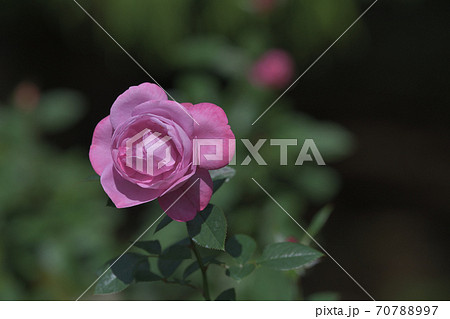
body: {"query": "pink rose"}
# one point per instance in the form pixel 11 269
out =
pixel 274 69
pixel 145 150
pixel 264 6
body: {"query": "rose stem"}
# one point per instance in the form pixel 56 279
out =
pixel 203 269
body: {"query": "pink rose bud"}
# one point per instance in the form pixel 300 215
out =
pixel 264 6
pixel 145 150
pixel 26 96
pixel 274 69
pixel 292 239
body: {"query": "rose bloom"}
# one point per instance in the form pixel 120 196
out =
pixel 274 69
pixel 162 135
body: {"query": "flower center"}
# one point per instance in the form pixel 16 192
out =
pixel 142 147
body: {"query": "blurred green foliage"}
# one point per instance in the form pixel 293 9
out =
pixel 54 226
pixel 56 221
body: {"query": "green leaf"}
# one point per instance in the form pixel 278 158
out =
pixel 109 284
pixel 227 295
pixel 317 223
pixel 150 246
pixel 179 250
pixel 226 173
pixel 168 267
pixel 287 256
pixel 240 247
pixel 143 273
pixel 209 228
pixel 194 266
pixel 240 272
pixel 121 274
pixel 220 176
pixel 173 256
pixel 191 269
pixel 163 223
pixel 125 266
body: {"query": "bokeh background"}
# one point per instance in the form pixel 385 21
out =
pixel 377 105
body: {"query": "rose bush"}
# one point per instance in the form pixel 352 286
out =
pixel 182 186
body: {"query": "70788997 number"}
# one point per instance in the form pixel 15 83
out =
pixel 406 310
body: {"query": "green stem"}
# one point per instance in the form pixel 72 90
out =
pixel 203 270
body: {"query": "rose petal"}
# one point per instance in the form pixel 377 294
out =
pixel 124 193
pixel 213 124
pixel 183 203
pixel 135 95
pixel 169 110
pixel 100 150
